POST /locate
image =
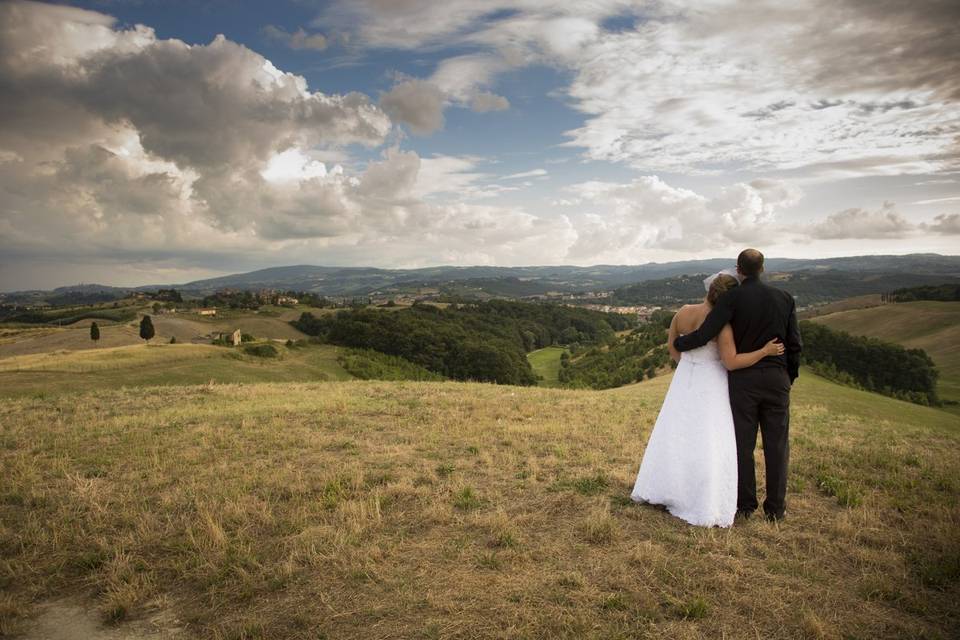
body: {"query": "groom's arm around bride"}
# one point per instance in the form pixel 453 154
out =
pixel 759 394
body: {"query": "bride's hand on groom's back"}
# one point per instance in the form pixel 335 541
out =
pixel 773 348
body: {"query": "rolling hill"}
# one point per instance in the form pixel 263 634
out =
pixel 928 325
pixel 810 287
pixel 461 510
pixel 185 327
pixel 139 365
pixel 506 281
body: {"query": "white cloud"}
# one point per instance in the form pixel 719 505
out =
pixel 123 147
pixel 946 224
pixel 625 219
pixel 299 39
pixel 938 200
pixel 860 223
pixel 759 87
pixel 417 103
pixel 119 145
pixel 460 81
pixel 485 101
pixel 533 173
pixel 698 87
pixel 292 165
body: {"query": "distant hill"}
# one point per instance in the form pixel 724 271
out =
pixel 809 286
pixel 928 325
pixel 484 281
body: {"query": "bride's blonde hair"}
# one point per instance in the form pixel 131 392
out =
pixel 720 285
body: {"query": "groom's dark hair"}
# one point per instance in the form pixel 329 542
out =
pixel 750 263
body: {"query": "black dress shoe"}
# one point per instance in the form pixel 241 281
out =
pixel 776 517
pixel 743 515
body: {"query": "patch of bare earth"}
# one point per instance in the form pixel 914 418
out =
pixel 72 619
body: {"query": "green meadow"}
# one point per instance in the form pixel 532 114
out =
pixel 546 363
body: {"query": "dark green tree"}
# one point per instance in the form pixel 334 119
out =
pixel 146 328
pixel 94 332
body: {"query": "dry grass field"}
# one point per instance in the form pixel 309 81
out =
pixel 847 304
pixel 59 372
pixel 272 323
pixel 452 510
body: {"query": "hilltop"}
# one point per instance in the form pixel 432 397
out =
pixel 463 510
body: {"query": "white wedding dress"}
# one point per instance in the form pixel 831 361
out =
pixel 690 464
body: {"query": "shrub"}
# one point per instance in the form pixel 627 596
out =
pixel 261 350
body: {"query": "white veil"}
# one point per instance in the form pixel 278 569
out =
pixel 723 272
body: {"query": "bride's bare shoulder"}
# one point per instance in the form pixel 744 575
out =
pixel 689 310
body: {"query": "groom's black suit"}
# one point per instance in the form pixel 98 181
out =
pixel 759 394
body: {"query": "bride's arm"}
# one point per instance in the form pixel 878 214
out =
pixel 733 360
pixel 670 337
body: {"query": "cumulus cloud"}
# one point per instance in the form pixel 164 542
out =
pixel 299 39
pixel 946 224
pixel 628 218
pixel 460 81
pixel 417 103
pixel 117 147
pixel 860 223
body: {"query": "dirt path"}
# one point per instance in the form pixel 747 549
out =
pixel 71 619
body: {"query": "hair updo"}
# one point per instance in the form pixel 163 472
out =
pixel 720 285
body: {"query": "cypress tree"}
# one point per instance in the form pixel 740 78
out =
pixel 146 328
pixel 94 332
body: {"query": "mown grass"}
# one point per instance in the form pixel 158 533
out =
pixel 142 365
pixel 546 363
pixel 928 325
pixel 413 509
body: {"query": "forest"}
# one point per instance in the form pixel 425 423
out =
pixel 869 363
pixel 809 287
pixel 635 358
pixel 941 293
pixel 485 341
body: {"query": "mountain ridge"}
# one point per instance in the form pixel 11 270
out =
pixel 342 280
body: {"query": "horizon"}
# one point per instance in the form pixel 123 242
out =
pixel 173 142
pixel 454 266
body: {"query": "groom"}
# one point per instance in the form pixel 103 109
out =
pixel 759 394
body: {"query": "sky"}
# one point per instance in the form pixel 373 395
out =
pixel 162 141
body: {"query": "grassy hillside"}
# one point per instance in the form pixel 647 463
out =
pixel 15 341
pixel 847 304
pixel 162 364
pixel 931 326
pixel 453 510
pixel 546 363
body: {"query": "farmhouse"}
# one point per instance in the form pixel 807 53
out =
pixel 207 312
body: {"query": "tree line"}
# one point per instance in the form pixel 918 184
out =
pixel 809 287
pixel 482 341
pixel 869 363
pixel 941 293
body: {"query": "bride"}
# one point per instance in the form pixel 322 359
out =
pixel 690 464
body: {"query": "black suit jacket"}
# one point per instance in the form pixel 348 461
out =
pixel 758 313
